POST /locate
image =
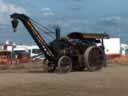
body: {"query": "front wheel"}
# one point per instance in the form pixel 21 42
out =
pixel 64 64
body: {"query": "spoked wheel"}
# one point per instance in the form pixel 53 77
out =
pixel 94 58
pixel 47 67
pixel 64 64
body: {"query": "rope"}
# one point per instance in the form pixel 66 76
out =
pixel 45 30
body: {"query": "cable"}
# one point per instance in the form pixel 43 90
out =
pixel 43 32
pixel 48 30
pixel 41 25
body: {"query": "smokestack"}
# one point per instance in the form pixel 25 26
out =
pixel 57 30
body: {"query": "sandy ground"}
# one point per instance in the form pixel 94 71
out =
pixel 110 81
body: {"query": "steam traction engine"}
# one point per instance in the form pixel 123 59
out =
pixel 76 51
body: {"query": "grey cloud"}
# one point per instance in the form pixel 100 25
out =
pixel 8 8
pixel 110 21
pixel 47 12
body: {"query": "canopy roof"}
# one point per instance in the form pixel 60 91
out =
pixel 78 35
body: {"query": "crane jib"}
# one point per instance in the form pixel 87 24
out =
pixel 33 32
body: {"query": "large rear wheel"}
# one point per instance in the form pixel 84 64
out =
pixel 94 58
pixel 64 64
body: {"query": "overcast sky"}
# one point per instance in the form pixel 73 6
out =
pixel 110 16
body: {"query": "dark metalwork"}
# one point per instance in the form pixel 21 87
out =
pixel 75 52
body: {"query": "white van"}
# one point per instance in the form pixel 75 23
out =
pixel 33 50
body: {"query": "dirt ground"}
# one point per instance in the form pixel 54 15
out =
pixel 110 81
